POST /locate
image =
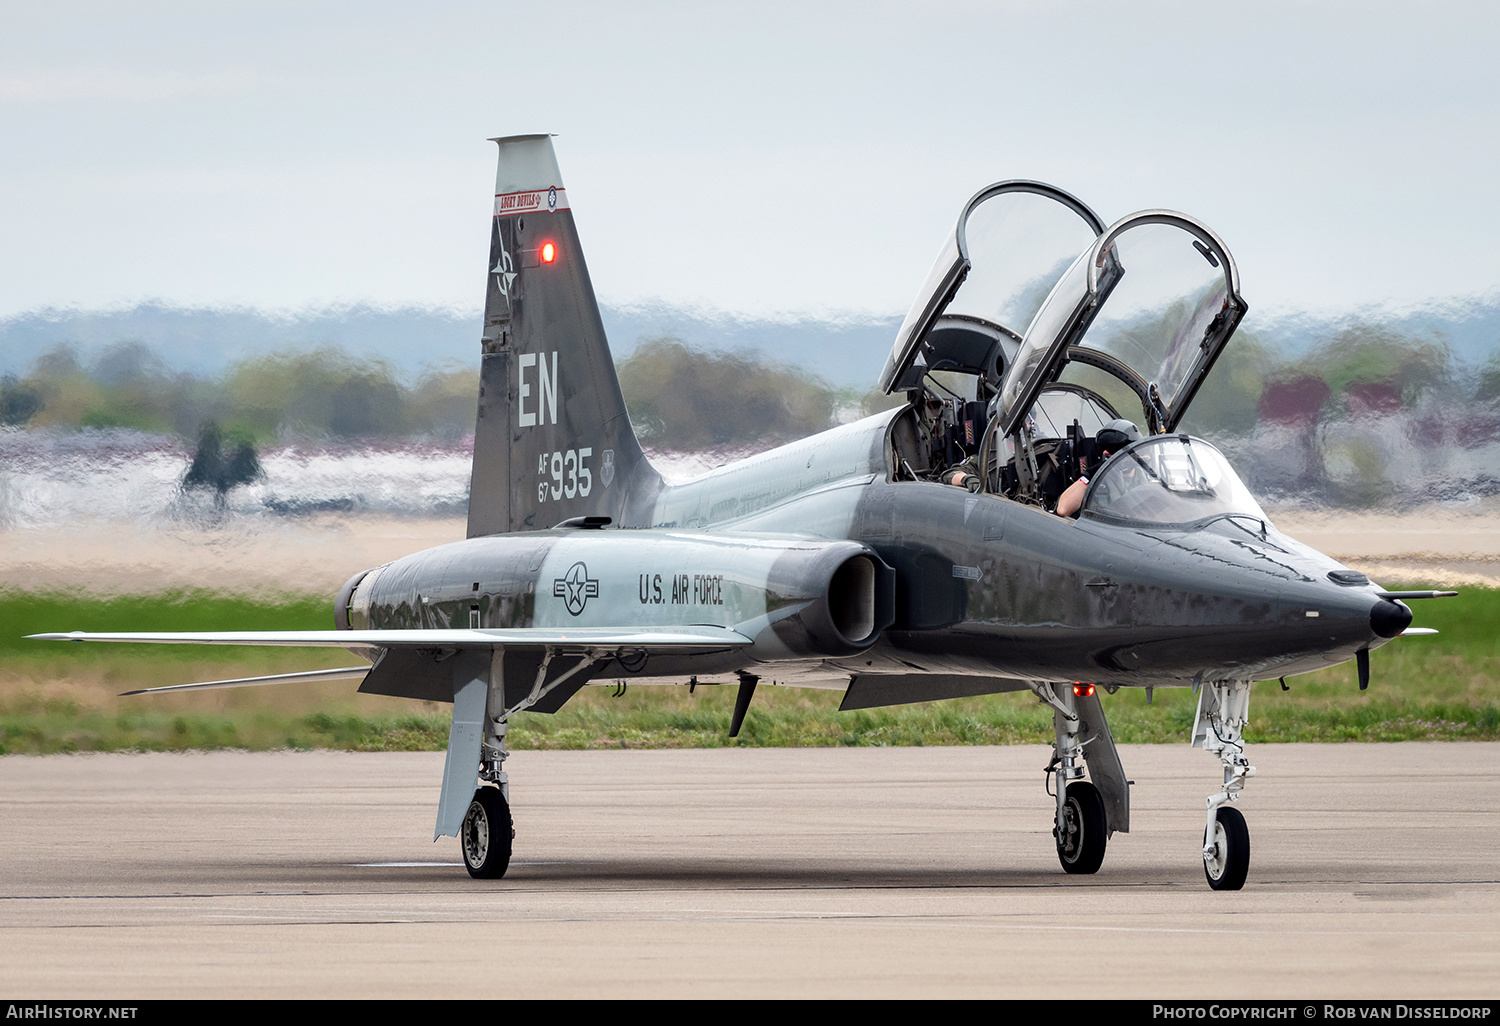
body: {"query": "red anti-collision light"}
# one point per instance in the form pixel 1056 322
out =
pixel 549 252
pixel 1083 690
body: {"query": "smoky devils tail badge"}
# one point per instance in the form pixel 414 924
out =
pixel 607 471
pixel 575 588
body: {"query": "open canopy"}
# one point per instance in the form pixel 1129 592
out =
pixel 1029 282
pixel 1152 302
pixel 996 267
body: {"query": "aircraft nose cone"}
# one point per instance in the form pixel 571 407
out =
pixel 1389 619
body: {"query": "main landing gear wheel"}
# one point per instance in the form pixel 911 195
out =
pixel 1229 864
pixel 486 835
pixel 1081 835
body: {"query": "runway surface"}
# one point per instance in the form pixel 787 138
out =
pixel 746 873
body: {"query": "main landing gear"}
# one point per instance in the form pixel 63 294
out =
pixel 1088 812
pixel 477 749
pixel 1223 711
pixel 488 830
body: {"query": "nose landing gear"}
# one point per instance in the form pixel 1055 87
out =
pixel 1223 712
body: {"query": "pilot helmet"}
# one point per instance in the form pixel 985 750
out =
pixel 1117 434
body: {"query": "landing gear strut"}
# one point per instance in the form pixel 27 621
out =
pixel 1223 712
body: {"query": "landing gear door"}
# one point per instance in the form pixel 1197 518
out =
pixel 1009 245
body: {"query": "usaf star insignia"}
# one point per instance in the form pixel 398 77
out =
pixel 575 588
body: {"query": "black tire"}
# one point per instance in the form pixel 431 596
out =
pixel 1227 870
pixel 1081 838
pixel 486 835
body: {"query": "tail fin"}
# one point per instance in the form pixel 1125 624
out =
pixel 553 441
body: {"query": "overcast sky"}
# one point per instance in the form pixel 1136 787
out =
pixel 760 158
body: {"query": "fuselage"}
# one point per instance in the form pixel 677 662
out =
pixel 982 585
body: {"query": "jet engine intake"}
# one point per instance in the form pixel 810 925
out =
pixel 852 600
pixel 351 608
pixel 341 602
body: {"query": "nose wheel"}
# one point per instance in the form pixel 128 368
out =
pixel 1226 855
pixel 1083 829
pixel 486 835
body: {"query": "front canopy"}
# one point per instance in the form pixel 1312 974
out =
pixel 1167 480
pixel 996 267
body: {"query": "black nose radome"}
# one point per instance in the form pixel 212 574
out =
pixel 1389 619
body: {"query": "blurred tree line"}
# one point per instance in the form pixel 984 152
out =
pixel 690 399
pixel 687 398
pixel 318 393
pixel 677 396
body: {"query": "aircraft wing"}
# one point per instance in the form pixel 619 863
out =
pixel 565 641
pixel 568 639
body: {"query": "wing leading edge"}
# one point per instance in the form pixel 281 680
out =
pixel 583 641
pixel 565 638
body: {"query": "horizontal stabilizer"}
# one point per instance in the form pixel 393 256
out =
pixel 1416 631
pixel 565 638
pixel 342 673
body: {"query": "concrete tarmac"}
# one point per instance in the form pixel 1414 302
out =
pixel 874 873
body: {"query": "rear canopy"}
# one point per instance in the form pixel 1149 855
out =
pixel 1152 302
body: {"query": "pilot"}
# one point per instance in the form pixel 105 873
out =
pixel 1112 437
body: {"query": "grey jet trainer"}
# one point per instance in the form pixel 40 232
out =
pixel 1029 519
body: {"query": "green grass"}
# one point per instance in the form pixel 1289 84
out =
pixel 62 726
pixel 23 613
pixel 58 697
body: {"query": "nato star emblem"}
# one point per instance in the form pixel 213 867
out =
pixel 504 272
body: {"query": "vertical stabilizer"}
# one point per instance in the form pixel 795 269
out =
pixel 553 441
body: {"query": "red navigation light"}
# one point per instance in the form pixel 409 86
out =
pixel 1083 690
pixel 549 252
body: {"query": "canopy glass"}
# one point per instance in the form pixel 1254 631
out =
pixel 1169 479
pixel 1152 302
pixel 995 269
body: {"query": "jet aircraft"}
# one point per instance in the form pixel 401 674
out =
pixel 850 560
